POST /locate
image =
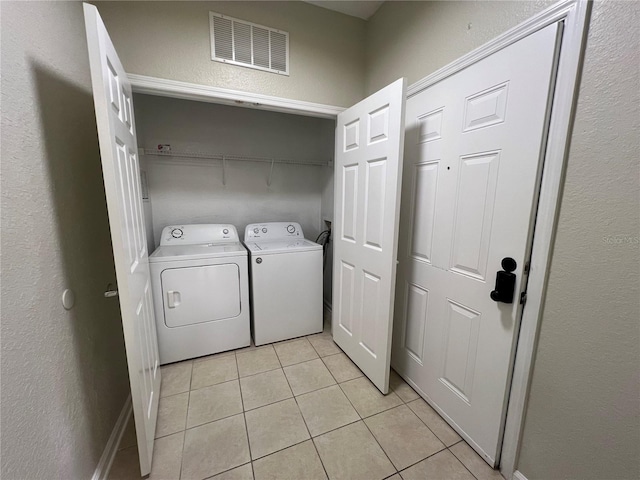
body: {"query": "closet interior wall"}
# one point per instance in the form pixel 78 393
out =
pixel 183 190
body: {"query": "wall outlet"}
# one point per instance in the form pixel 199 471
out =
pixel 164 147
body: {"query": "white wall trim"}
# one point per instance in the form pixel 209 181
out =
pixel 111 448
pixel 558 12
pixel 517 475
pixel 203 93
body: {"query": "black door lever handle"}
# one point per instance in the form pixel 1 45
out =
pixel 505 282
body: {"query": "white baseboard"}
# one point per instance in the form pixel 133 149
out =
pixel 110 449
pixel 517 475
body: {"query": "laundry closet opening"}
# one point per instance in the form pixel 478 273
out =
pixel 206 163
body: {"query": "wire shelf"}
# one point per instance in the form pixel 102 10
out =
pixel 225 157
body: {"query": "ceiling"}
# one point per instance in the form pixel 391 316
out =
pixel 361 9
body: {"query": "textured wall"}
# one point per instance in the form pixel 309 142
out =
pixel 196 194
pixel 583 419
pixel 171 40
pixel 416 38
pixel 64 377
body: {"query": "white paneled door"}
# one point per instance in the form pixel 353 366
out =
pixel 119 153
pixel 473 143
pixel 368 172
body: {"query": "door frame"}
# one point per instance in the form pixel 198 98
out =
pixel 164 87
pixel 574 15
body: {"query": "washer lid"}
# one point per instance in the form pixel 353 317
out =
pixel 169 253
pixel 282 246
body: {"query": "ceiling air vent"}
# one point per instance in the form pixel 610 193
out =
pixel 248 44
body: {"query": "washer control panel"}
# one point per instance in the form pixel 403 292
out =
pixel 273 231
pixel 198 234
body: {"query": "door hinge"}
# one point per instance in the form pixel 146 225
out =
pixel 527 266
pixel 523 298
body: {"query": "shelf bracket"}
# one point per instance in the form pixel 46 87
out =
pixel 270 173
pixel 224 170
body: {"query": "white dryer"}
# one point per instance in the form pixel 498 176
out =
pixel 286 282
pixel 200 281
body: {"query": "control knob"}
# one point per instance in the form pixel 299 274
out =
pixel 256 231
pixel 177 233
pixel 225 231
pixel 291 229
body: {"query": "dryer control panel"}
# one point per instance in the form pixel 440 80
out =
pixel 198 234
pixel 272 231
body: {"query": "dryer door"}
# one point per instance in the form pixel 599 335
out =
pixel 194 295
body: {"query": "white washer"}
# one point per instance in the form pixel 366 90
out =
pixel 286 282
pixel 200 281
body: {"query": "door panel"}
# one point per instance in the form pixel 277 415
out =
pixel 369 142
pixel 475 200
pixel 460 345
pixel 473 146
pixel 346 288
pixel 121 173
pixel 423 207
pixel 417 301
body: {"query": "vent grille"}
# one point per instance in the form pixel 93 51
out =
pixel 249 45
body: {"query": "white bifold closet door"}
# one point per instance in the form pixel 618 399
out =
pixel 120 169
pixel 474 143
pixel 368 172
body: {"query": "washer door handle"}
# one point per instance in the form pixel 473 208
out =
pixel 173 299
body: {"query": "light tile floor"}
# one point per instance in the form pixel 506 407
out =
pixel 298 410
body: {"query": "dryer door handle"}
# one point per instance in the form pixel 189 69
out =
pixel 173 299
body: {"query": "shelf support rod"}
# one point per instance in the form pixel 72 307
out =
pixel 224 170
pixel 270 173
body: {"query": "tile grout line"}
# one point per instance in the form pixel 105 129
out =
pixel 305 421
pixel 365 424
pixel 425 423
pixel 261 347
pixel 226 471
pixel 184 433
pixel 258 373
pixel 297 363
pixel 422 460
pixel 337 428
pixel 244 416
pixel 347 356
pixel 323 356
pixel 447 447
pixel 461 462
pixel 434 433
pixel 370 432
pixel 381 447
pixel 315 447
